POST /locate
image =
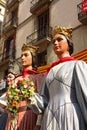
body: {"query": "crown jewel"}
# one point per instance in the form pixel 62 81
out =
pixel 66 31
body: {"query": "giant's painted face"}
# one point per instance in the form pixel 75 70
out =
pixel 60 44
pixel 26 58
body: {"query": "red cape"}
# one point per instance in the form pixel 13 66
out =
pixel 27 71
pixel 64 59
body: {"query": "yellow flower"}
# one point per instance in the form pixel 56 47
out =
pixel 32 90
pixel 16 97
pixel 18 92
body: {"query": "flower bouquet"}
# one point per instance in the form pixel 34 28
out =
pixel 19 91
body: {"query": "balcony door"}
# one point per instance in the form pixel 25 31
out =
pixel 43 24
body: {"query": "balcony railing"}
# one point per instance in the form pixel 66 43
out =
pixel 12 23
pixel 38 5
pixel 82 12
pixel 12 3
pixel 39 35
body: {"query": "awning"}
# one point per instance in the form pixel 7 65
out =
pixel 82 55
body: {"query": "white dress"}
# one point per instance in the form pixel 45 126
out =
pixel 63 98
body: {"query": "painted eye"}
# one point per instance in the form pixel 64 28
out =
pixel 25 55
pixel 57 39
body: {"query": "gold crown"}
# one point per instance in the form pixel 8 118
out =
pixel 66 31
pixel 33 49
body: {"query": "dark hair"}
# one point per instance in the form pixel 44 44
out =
pixel 34 61
pixel 70 43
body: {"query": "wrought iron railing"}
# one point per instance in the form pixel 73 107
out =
pixel 12 2
pixel 11 22
pixel 37 2
pixel 82 8
pixel 39 34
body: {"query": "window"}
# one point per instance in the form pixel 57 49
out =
pixel 43 24
pixel 9 48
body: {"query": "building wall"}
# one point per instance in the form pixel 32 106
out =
pixel 80 38
pixel 24 10
pixel 62 13
pixel 26 25
pixel 2 12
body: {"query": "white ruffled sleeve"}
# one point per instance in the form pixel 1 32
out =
pixel 80 82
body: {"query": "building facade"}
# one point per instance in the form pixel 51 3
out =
pixel 32 21
pixel 2 13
